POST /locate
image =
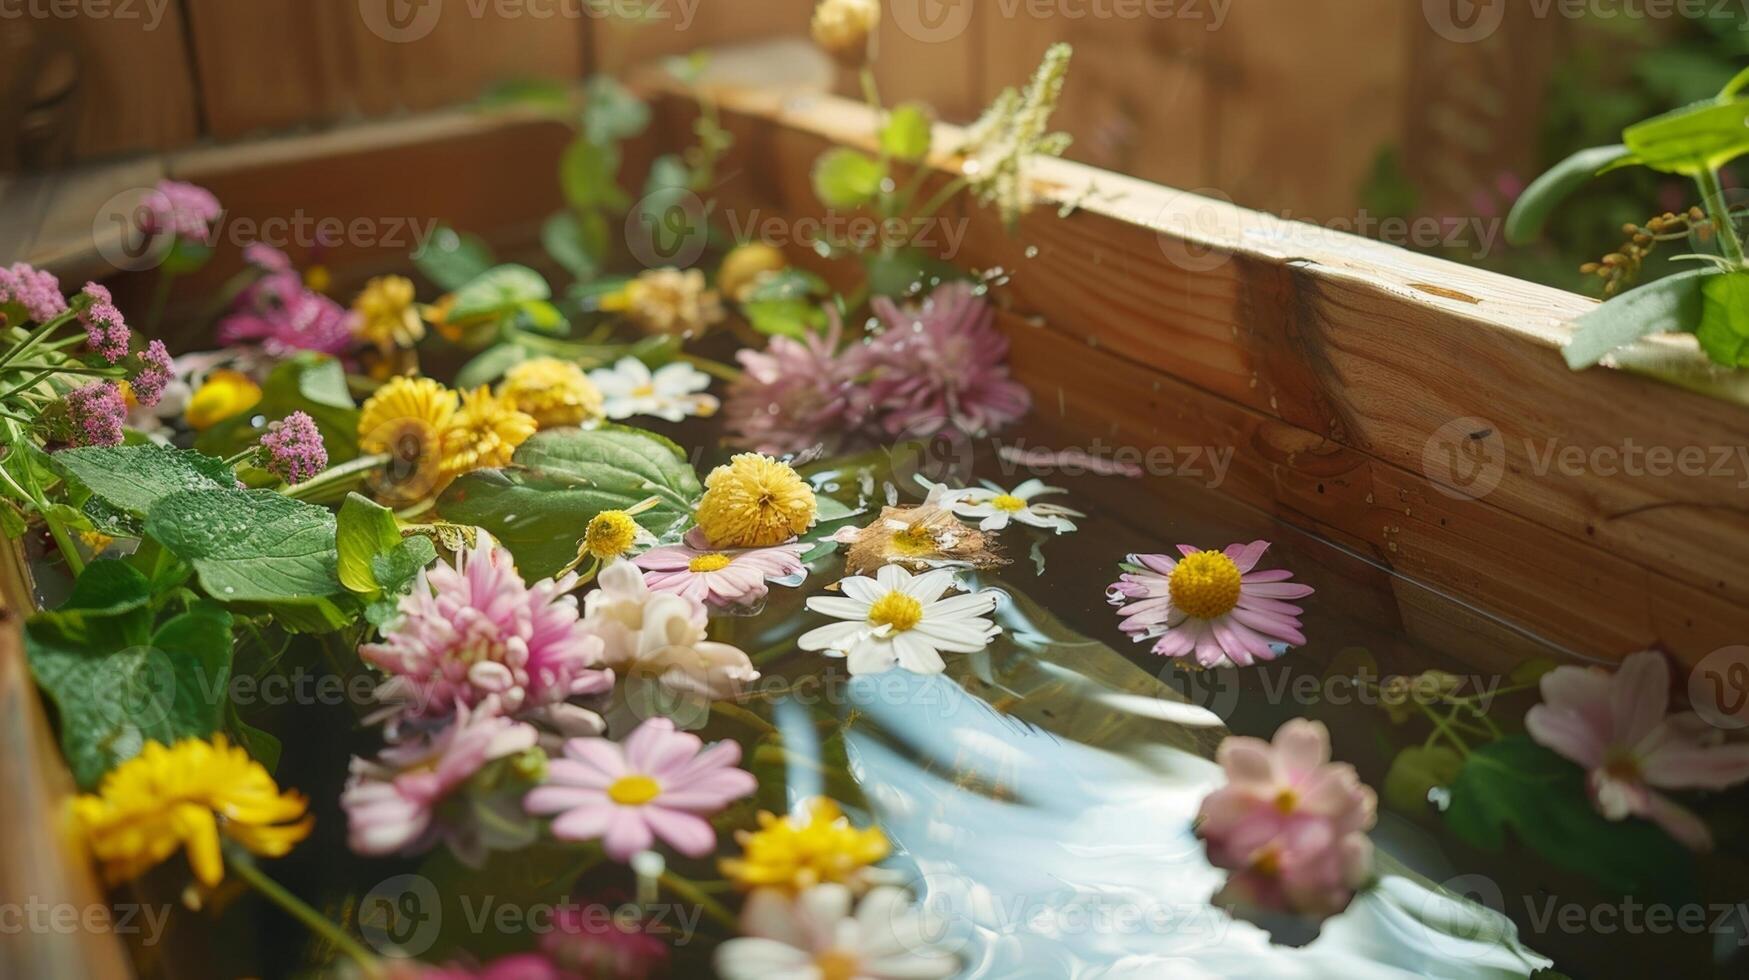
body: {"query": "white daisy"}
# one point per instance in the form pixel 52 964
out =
pixel 815 935
pixel 672 393
pixel 993 507
pixel 899 619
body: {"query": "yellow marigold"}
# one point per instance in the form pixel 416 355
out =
pixel 186 795
pixel 224 394
pixel 668 301
pixel 610 534
pixel 406 419
pixel 484 432
pixel 386 316
pixel 555 392
pixel 755 501
pixel 745 266
pixel 797 853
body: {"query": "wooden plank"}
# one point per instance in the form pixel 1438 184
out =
pixel 682 28
pixel 272 64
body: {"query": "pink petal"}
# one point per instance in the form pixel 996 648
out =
pixel 583 823
pixel 626 833
pixel 1679 822
pixel 1639 696
pixel 1567 733
pixel 688 834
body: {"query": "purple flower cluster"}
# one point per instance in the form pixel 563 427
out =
pixel 32 290
pixel 277 312
pixel 97 412
pixel 105 330
pixel 180 208
pixel 292 449
pixel 156 373
pixel 939 365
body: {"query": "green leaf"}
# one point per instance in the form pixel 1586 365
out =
pixel 250 545
pixel 498 291
pixel 845 178
pixel 1668 305
pixel 1417 771
pixel 899 273
pixel 1724 319
pixel 1532 209
pixel 575 247
pixel 789 283
pixel 310 383
pixel 450 259
pixel 784 317
pixel 613 113
pixel 1691 140
pixel 589 175
pixel 186 256
pixel 397 568
pixel 908 133
pixel 559 479
pixel 545 94
pixel 364 529
pixel 1517 786
pixel 544 317
pixel 489 365
pixel 133 478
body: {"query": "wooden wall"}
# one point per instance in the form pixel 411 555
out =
pixel 1277 104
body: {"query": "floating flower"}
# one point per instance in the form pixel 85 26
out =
pixel 391 801
pixel 292 449
pixel 816 845
pixel 843 28
pixel 31 291
pixel 746 266
pixel 385 316
pixel 156 373
pixel 1289 824
pixel 223 394
pixel 97 412
pixel 484 432
pixel 556 393
pixel 105 331
pixel 187 795
pixel 668 301
pixel 613 534
pixel 660 784
pixel 799 393
pixel 661 637
pixel 720 579
pixel 755 501
pixel 943 364
pixel 1210 604
pixel 672 393
pixel 475 631
pixel 917 539
pixel 994 507
pixel 1615 727
pixel 815 934
pixel 182 209
pixel 897 619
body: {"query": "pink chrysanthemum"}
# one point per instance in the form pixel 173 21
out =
pixel 1289 824
pixel 1615 726
pixel 391 801
pixel 266 257
pixel 1210 604
pixel 716 577
pixel 156 372
pixel 105 331
pixel 475 631
pixel 799 394
pixel 598 939
pixel 180 208
pixel 283 317
pixel 292 449
pixel 944 363
pixel 660 783
pixel 97 412
pixel 36 293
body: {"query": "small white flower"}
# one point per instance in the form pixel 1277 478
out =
pixel 897 619
pixel 815 935
pixel 672 393
pixel 993 507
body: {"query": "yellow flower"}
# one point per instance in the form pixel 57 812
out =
pixel 744 268
pixel 386 316
pixel 224 394
pixel 842 29
pixel 555 392
pixel 318 279
pixel 406 419
pixel 797 853
pixel 484 433
pixel 754 502
pixel 187 795
pixel 667 301
pixel 610 534
pixel 97 541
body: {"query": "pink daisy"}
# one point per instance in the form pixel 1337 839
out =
pixel 798 394
pixel 944 363
pixel 1210 604
pixel 1615 726
pixel 1289 824
pixel 475 631
pixel 660 783
pixel 391 801
pixel 719 578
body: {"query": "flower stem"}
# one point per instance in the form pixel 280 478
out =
pixel 318 923
pixel 693 893
pixel 30 339
pixel 334 476
pixel 773 652
pixel 729 709
pixel 33 493
pixel 1714 197
pixel 715 369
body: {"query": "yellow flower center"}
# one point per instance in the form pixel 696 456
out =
pixel 633 790
pixel 915 539
pixel 1205 585
pixel 1287 800
pixel 836 964
pixel 610 534
pixel 897 610
pixel 1008 502
pixel 716 561
pixel 1267 863
pixel 643 391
